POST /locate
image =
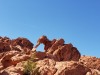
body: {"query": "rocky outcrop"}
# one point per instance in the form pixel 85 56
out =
pixel 66 53
pixel 23 42
pixel 6 44
pixel 90 62
pixel 12 58
pixel 47 67
pixel 58 58
pixel 50 67
pixel 59 50
pixel 12 70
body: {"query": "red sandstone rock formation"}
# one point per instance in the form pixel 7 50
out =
pixel 7 44
pixel 57 59
pixel 4 44
pixel 47 43
pixel 23 42
pixel 12 58
pixel 59 50
pixel 90 62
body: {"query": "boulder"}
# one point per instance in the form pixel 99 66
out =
pixel 40 55
pixel 6 59
pixel 12 58
pixel 12 70
pixel 90 62
pixel 71 68
pixel 66 53
pixel 4 44
pixel 23 42
pixel 46 67
pixel 50 67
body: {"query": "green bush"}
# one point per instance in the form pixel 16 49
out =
pixel 30 67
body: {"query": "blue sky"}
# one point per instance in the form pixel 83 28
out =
pixel 77 21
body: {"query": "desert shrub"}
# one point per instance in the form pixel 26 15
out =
pixel 30 67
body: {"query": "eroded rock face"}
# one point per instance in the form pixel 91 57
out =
pixel 23 42
pixel 57 59
pixel 91 62
pixel 59 50
pixel 5 40
pixel 12 58
pixel 5 44
pixel 12 70
pixel 19 44
pixel 47 67
pixel 50 67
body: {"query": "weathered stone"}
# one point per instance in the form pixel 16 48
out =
pixel 50 67
pixel 91 62
pixel 40 55
pixel 75 54
pixel 23 42
pixel 59 50
pixel 4 47
pixel 46 67
pixel 12 58
pixel 57 59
